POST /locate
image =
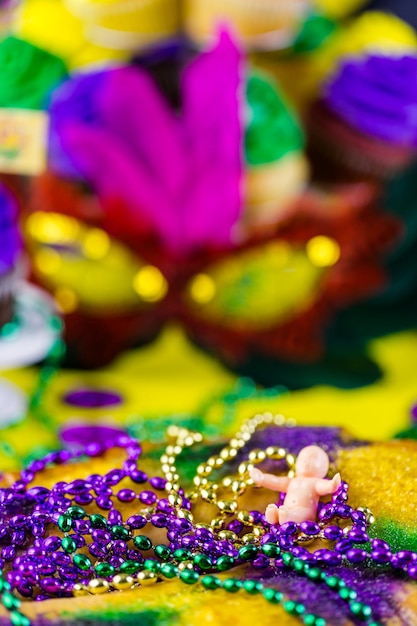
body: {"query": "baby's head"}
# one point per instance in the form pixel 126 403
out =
pixel 312 462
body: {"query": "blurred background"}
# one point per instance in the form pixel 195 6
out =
pixel 206 209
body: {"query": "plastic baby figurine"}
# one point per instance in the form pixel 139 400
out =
pixel 303 491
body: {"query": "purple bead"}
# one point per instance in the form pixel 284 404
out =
pixel 310 528
pixel 66 572
pixel 188 542
pixel 79 541
pixel 14 578
pixel 182 526
pixel 358 516
pixel 116 561
pixel 39 493
pixel 164 505
pixel 36 466
pixel 18 537
pixel 326 513
pixel 8 553
pixel 115 517
pixel 25 589
pixel 356 555
pixel 103 490
pixel 60 488
pixel 97 550
pixel 343 510
pixel 157 482
pixel 138 477
pixel 78 486
pixel 82 526
pixel 289 528
pixel 412 571
pixel 135 555
pixel 380 556
pixel 83 498
pixel 101 536
pixel 27 476
pixel 332 533
pixel 261 562
pixel 38 530
pixel 93 399
pixel 50 585
pixel 159 520
pixel 94 449
pixel 204 534
pixel 114 477
pixel 61 558
pixel 300 552
pixel 41 597
pixel 3 532
pixel 235 526
pixel 104 503
pixel 134 450
pixel 46 567
pixel 343 546
pixel 126 495
pixel 327 556
pixel 379 544
pixel 358 536
pixel 119 546
pixel 52 543
pixel 136 522
pixel 147 497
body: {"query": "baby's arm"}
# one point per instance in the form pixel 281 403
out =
pixel 276 483
pixel 325 487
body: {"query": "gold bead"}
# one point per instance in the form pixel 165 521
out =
pixel 249 538
pixel 228 453
pixel 174 499
pixel 370 517
pixel 172 486
pixel 170 476
pixel 347 529
pixel 215 461
pixel 245 467
pixel 291 474
pixel 146 578
pixel 258 531
pixel 236 443
pixel 267 418
pixel 79 590
pixel 204 470
pixel 200 481
pixel 184 514
pixel 245 436
pixel 238 487
pixel 183 565
pixel 278 419
pixel 276 453
pixel 228 535
pixel 227 506
pixel 122 582
pixel 206 526
pixel 257 456
pixel 306 540
pixel 209 495
pixel 173 431
pixel 217 523
pixel 227 481
pixel 98 585
pixel 245 517
pixel 193 495
pixel 189 441
pixel 290 458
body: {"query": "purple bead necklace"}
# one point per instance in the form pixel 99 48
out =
pixel 52 547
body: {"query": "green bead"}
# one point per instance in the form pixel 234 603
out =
pixel 273 596
pixel 203 561
pixel 142 542
pixel 98 521
pixel 232 585
pixel 82 561
pixel 120 532
pixel 271 550
pixel 332 582
pixel 309 619
pixel 224 563
pixel 68 545
pixel 347 594
pixel 130 567
pixel 298 565
pixel 189 576
pixel 152 566
pixel 252 586
pixel 182 554
pixel 320 621
pixel 10 601
pixel 300 609
pixel 4 585
pixel 64 523
pixel 247 553
pixel 163 552
pixel 169 570
pixel 17 619
pixel 104 570
pixel 366 611
pixel 76 512
pixel 211 582
pixel 287 559
pixel 289 606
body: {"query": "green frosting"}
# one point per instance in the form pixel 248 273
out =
pixel 28 74
pixel 314 32
pixel 272 130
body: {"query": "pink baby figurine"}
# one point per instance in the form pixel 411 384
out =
pixel 303 491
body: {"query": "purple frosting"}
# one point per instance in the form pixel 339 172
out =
pixel 10 242
pixel 377 95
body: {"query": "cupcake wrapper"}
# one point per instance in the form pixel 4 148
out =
pixel 352 153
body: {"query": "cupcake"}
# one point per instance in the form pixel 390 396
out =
pixel 10 247
pixel 276 168
pixel 365 122
pixel 260 24
pixel 123 25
